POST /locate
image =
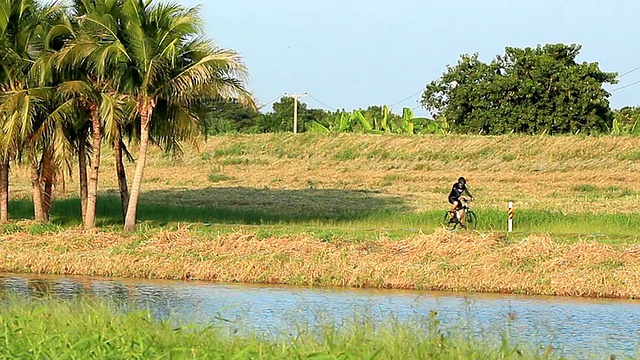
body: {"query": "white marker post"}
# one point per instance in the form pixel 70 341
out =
pixel 510 221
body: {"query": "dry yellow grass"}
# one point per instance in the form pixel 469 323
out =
pixel 540 173
pixel 439 261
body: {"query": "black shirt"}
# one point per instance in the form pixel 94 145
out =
pixel 457 190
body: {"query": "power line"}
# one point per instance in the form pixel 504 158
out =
pixel 629 72
pixel 270 102
pixel 626 86
pixel 407 98
pixel 321 103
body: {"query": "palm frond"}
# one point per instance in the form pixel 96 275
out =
pixel 114 113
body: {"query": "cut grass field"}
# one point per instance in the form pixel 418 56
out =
pixel 570 186
pixel 576 193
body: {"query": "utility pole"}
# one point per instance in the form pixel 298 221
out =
pixel 295 97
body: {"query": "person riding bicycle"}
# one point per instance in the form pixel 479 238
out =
pixel 457 190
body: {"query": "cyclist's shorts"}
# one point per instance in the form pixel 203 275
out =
pixel 452 199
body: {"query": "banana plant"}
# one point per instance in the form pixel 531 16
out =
pixel 422 125
pixel 618 128
pixel 344 122
pixel 635 129
pixel 316 127
pixel 383 123
pixel 358 117
pixel 408 121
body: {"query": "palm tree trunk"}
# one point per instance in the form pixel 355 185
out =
pixel 136 185
pixel 46 179
pixel 4 190
pixel 120 171
pixel 47 173
pixel 92 195
pixel 82 175
pixel 36 193
pixel 47 195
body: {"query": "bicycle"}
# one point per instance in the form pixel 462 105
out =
pixel 470 218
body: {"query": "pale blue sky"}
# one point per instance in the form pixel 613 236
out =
pixel 354 53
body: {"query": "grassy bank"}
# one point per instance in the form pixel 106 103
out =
pixel 312 209
pixel 52 330
pixel 439 261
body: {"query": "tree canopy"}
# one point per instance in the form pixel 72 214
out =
pixel 531 90
pixel 74 74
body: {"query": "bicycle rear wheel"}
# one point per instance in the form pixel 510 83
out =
pixel 449 222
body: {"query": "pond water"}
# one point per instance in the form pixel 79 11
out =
pixel 576 327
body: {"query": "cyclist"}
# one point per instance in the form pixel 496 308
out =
pixel 457 190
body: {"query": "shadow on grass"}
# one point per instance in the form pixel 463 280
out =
pixel 237 205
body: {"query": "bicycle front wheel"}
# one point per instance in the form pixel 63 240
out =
pixel 471 221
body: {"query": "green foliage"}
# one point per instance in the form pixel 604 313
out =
pixel 380 122
pixel 414 125
pixel 280 119
pixel 376 120
pixel 342 122
pixel 123 64
pixel 626 121
pixel 49 329
pixel 531 90
pixel 224 117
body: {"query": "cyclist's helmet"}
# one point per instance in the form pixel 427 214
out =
pixel 462 181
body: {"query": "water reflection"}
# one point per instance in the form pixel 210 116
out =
pixel 579 327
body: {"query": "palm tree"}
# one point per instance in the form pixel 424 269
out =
pixel 4 188
pixel 162 65
pixel 29 129
pixel 165 59
pixel 91 84
pixel 15 24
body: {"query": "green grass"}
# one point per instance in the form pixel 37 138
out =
pixel 216 177
pixel 233 150
pixel 633 155
pixel 347 214
pixel 347 154
pixel 48 329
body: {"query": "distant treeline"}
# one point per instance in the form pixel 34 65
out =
pixel 232 117
pixel 541 90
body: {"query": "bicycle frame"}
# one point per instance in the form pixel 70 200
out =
pixel 464 206
pixel 470 219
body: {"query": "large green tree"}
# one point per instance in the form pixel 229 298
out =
pixel 531 90
pixel 228 117
pixel 280 119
